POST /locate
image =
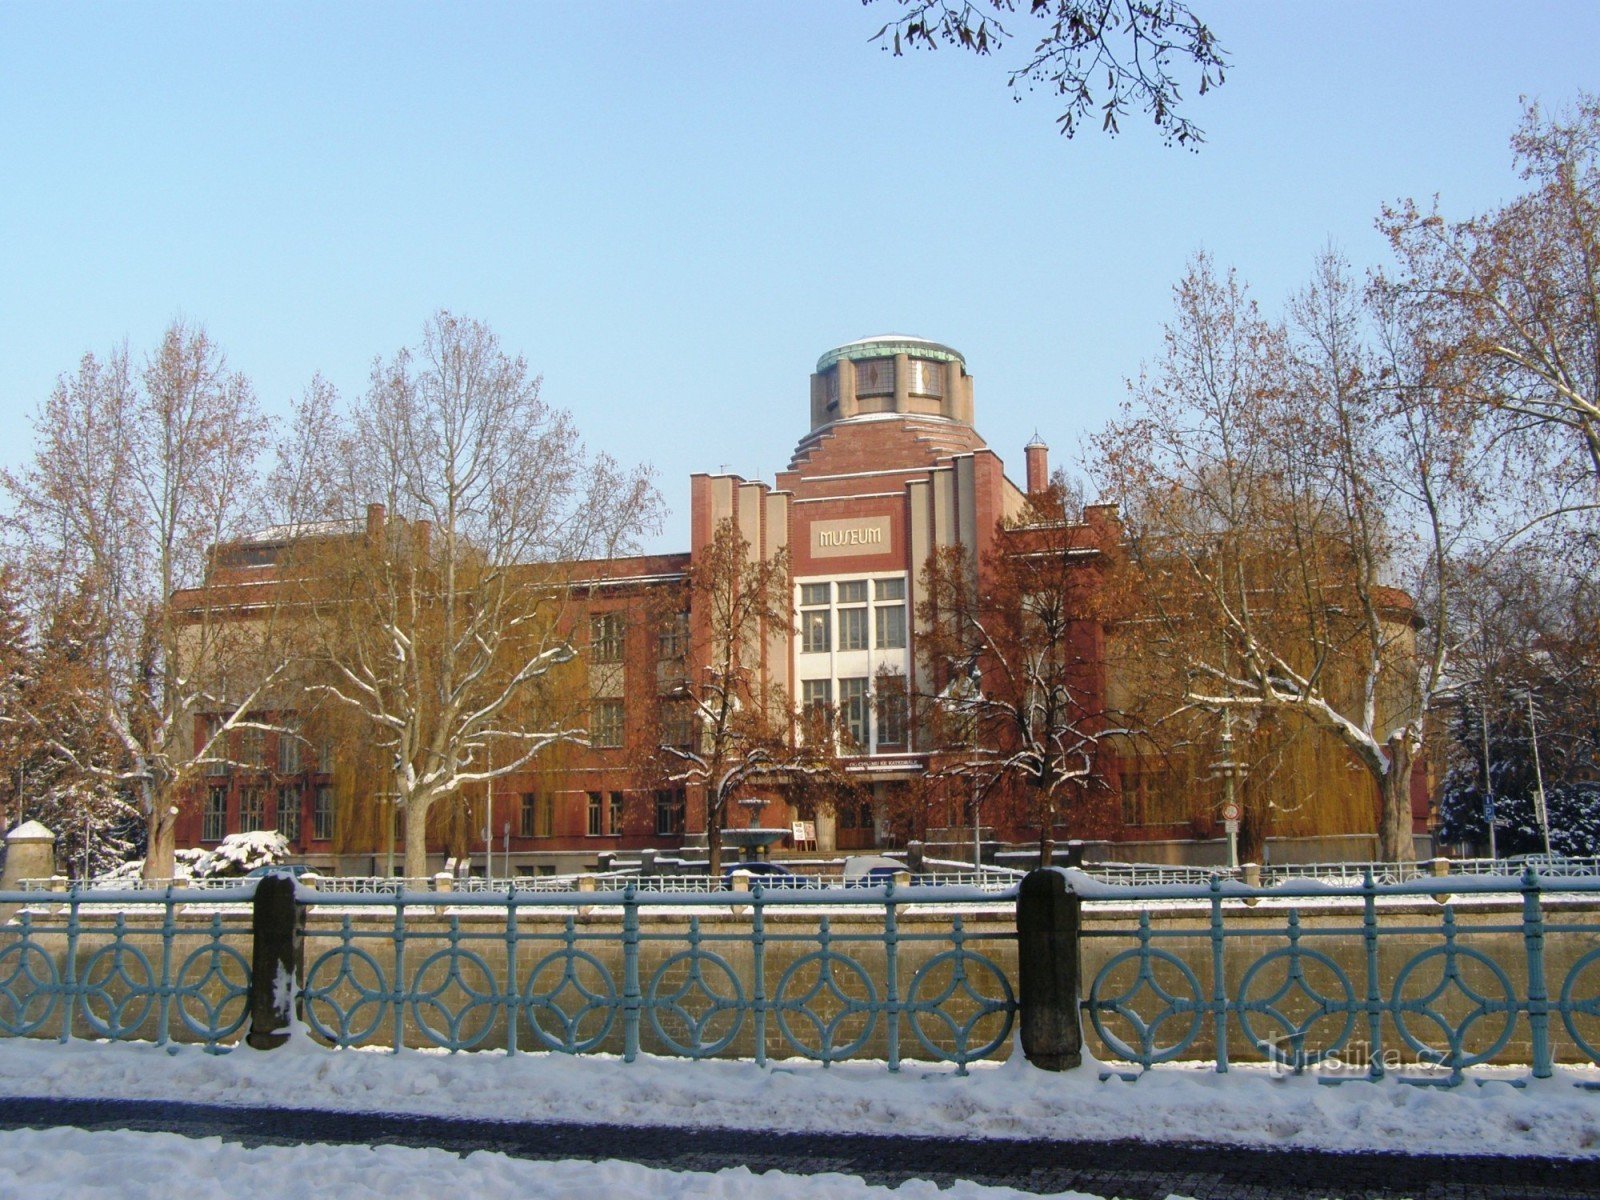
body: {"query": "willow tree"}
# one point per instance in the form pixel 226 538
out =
pixel 1292 493
pixel 441 620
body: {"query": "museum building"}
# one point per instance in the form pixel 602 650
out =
pixel 890 472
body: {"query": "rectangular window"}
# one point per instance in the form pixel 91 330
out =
pixel 674 641
pixel 538 815
pixel 875 377
pixel 672 654
pixel 215 825
pixel 252 809
pixel 289 813
pixel 597 814
pixel 890 613
pixel 288 754
pixel 607 725
pixel 669 812
pixel 605 637
pixel 814 595
pixel 322 814
pixel 677 724
pixel 614 817
pixel 891 712
pixel 853 591
pixel 927 378
pixel 853 628
pixel 253 747
pixel 325 756
pixel 816 694
pixel 219 749
pixel 853 710
pixel 891 632
pixel 814 631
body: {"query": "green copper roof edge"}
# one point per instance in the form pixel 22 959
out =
pixel 887 347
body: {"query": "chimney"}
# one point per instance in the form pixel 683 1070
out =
pixel 1038 465
pixel 374 521
pixel 422 533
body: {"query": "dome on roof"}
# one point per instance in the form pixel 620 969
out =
pixel 887 345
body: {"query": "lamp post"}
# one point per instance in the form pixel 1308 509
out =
pixel 1540 810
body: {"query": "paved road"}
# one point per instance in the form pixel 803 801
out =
pixel 1128 1169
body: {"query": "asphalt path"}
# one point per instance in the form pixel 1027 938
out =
pixel 1128 1169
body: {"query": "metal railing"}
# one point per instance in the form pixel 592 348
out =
pixel 1392 979
pixel 125 966
pixel 878 981
pixel 1428 993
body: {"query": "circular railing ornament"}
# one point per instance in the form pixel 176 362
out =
pixel 28 989
pixel 1184 1009
pixel 447 974
pixel 796 1001
pixel 1287 1046
pixel 346 995
pixel 560 1023
pixel 1575 1002
pixel 213 991
pixel 925 1001
pixel 694 1003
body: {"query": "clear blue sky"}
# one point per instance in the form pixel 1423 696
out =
pixel 673 208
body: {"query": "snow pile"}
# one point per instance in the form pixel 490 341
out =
pixel 1008 1100
pixel 242 852
pixel 237 854
pixel 143 1166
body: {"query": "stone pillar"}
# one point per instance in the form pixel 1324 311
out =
pixel 902 383
pixel 30 854
pixel 914 857
pixel 847 388
pixel 1048 920
pixel 274 930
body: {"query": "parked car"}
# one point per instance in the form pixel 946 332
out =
pixel 295 869
pixel 768 874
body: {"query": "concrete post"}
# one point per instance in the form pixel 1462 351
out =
pixel 1048 920
pixel 443 881
pixel 914 857
pixel 1250 874
pixel 30 854
pixel 275 944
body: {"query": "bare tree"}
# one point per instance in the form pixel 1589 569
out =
pixel 1511 300
pixel 742 728
pixel 1016 652
pixel 1135 46
pixel 135 478
pixel 1292 494
pixel 446 627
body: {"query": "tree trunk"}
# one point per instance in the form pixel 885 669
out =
pixel 416 833
pixel 713 836
pixel 1395 842
pixel 161 828
pixel 1047 834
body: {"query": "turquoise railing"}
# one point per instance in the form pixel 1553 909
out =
pixel 1425 979
pixel 780 973
pixel 125 966
pixel 1428 992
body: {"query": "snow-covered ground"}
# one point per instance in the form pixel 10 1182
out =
pixel 1011 1100
pixel 144 1166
